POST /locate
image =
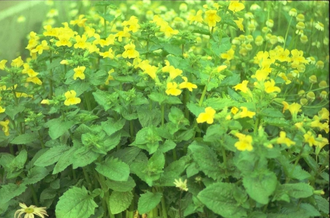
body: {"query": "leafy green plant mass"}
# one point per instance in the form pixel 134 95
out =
pixel 168 109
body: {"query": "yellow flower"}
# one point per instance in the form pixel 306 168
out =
pixel 108 54
pixel 221 68
pixel 294 108
pixel 80 21
pixel 80 42
pixel 324 114
pixel 211 18
pixel 234 110
pixel 309 138
pixel 124 33
pixel 242 86
pixel 150 70
pixel 64 62
pixel 244 142
pixel 198 17
pixel 34 80
pixel 245 113
pixel 3 64
pixel 187 85
pixel 133 24
pixel 45 101
pixel 30 211
pixel 182 185
pixel 172 89
pixel 261 74
pixel 168 31
pixel 79 72
pixel 64 40
pixel 71 98
pixel 130 51
pixel 321 142
pixel 284 140
pixel 17 62
pixel 239 23
pixel 236 6
pixel 229 55
pixel 270 87
pixel 207 116
pixel 2 110
pixel 5 127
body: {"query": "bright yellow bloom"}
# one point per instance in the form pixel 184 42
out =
pixel 245 113
pixel 168 31
pixel 3 64
pixel 130 51
pixel 124 33
pixel 294 108
pixel 187 85
pixel 133 24
pixel 64 40
pixel 71 98
pixel 324 114
pixel 239 24
pixel 242 86
pixel 236 6
pixel 182 185
pixel 284 140
pixel 150 70
pixel 172 89
pixel 285 78
pixel 108 54
pixel 198 17
pixel 80 21
pixel 270 87
pixel 5 127
pixel 207 116
pixel 79 72
pixel 221 68
pixel 80 42
pixel 244 142
pixel 2 110
pixel 45 101
pixel 34 80
pixel 234 110
pixel 321 142
pixel 64 62
pixel 211 18
pixel 17 62
pixel 309 138
pixel 30 211
pixel 261 74
pixel 229 55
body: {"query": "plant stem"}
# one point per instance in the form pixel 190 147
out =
pixel 50 77
pixel 286 34
pixel 180 214
pixel 164 210
pixel 202 97
pixel 87 177
pixel 34 195
pixel 163 113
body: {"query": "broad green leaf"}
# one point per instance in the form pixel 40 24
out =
pixel 298 190
pixel 16 166
pixel 148 201
pixel 99 77
pixel 105 99
pixel 167 146
pixel 114 169
pixel 172 49
pixel 122 186
pixel 260 185
pixel 220 47
pixel 35 175
pixel 120 201
pixel 24 138
pixel 172 172
pixel 195 109
pixel 158 97
pixel 51 156
pixel 220 103
pixel 74 203
pixel 294 171
pixel 271 112
pixel 206 159
pixel 127 155
pixel 83 156
pixel 147 139
pixel 57 127
pixel 9 191
pixel 322 204
pixel 218 197
pixel 148 117
pixel 65 160
pixel 111 126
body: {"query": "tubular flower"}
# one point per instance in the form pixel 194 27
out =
pixel 5 127
pixel 130 51
pixel 79 72
pixel 242 86
pixel 198 17
pixel 81 42
pixel 245 113
pixel 309 138
pixel 187 85
pixel 211 18
pixel 172 89
pixel 17 62
pixel 270 87
pixel 244 142
pixel 324 114
pixel 150 70
pixel 2 110
pixel 30 211
pixel 321 142
pixel 284 140
pixel 207 116
pixel 108 54
pixel 294 108
pixel 235 6
pixel 239 24
pixel 133 24
pixel 64 40
pixel 71 98
pixel 3 64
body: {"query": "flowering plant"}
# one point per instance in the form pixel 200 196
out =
pixel 169 109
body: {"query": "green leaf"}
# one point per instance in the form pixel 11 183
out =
pixel 104 99
pixel 51 156
pixel 195 109
pixel 111 126
pixel 83 156
pixel 298 190
pixel 167 146
pixel 295 171
pixel 220 103
pixel 120 201
pixel 260 185
pixel 158 97
pixel 65 160
pixel 99 77
pixel 57 127
pixel 24 139
pixel 271 112
pixel 220 47
pixel 9 191
pixel 148 117
pixel 322 204
pixel 74 203
pixel 148 201
pixel 172 49
pixel 122 186
pixel 35 175
pixel 172 172
pixel 206 159
pixel 16 166
pixel 114 169
pixel 218 197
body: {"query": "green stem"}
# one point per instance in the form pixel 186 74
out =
pixel 202 97
pixel 286 34
pixel 87 100
pixel 74 174
pixel 105 21
pixel 87 177
pixel 164 210
pixel 50 77
pixel 131 130
pixel 180 213
pixel 225 162
pixel 41 139
pixel 163 113
pixel 34 195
